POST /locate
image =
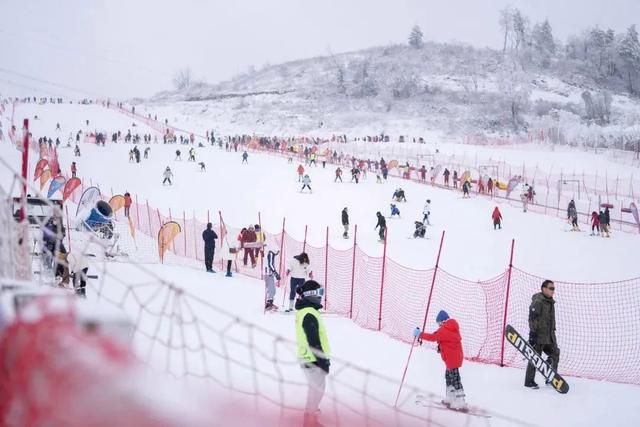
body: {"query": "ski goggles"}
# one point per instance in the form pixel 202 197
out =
pixel 314 293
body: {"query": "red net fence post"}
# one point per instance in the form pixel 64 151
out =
pixel 282 234
pixel 304 242
pixel 261 251
pixel 384 262
pixel 506 302
pixel 353 269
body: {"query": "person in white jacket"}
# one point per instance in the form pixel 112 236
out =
pixel 300 270
pixel 167 176
pixel 78 268
pixel 226 251
pixel 426 212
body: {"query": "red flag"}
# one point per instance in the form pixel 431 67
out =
pixel 70 187
pixel 42 163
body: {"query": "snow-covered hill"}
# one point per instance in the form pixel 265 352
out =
pixel 397 90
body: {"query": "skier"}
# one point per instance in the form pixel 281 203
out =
pixel 595 223
pixel 58 126
pixel 178 155
pixel 146 152
pixel 313 347
pixel 542 330
pixel 76 151
pixel 426 212
pixel 74 169
pixel 202 167
pixel 300 270
pixel 345 223
pixel 570 208
pixel 306 182
pixel 446 176
pixel 249 236
pixel 270 276
pixel 573 217
pixel 78 269
pixel 465 189
pixel 398 195
pixel 450 348
pixel 355 175
pixel 127 204
pixel 192 154
pixel 607 222
pixel 490 186
pixel 245 157
pixel 524 198
pixel 209 236
pixel 338 175
pixel 382 223
pixel 497 218
pixel 167 176
pixel 394 210
pixel 227 252
pixel 300 172
pixel 455 179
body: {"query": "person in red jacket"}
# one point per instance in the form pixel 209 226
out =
pixel 127 204
pixel 595 223
pixel 497 218
pixel 300 172
pixel 450 348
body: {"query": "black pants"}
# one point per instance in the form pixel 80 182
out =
pixel 228 266
pixel 307 186
pixel 80 282
pixel 295 282
pixel 338 177
pixel 208 257
pixel 553 357
pixel 452 378
pixel 167 179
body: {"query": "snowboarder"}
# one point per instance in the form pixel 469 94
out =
pixel 245 157
pixel 394 210
pixel 398 195
pixel 345 223
pixel 426 212
pixel 465 189
pixel 300 270
pixel 127 204
pixel 420 229
pixel 338 175
pixel 313 347
pixel 209 236
pixel 382 223
pixel 270 277
pixel 497 218
pixel 450 348
pixel 524 198
pixel 542 330
pixel 595 223
pixel 306 182
pixel 167 176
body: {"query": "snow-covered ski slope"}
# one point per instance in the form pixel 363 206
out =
pixel 472 250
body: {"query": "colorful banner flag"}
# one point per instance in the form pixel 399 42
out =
pixel 88 199
pixel 56 184
pixel 42 163
pixel 634 212
pixel 513 182
pixel 166 234
pixel 116 202
pixel 392 164
pixel 70 187
pixel 46 175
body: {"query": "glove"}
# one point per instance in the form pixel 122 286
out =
pixel 438 348
pixel 533 339
pixel 416 332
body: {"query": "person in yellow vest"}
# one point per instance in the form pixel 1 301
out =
pixel 313 347
pixel 259 239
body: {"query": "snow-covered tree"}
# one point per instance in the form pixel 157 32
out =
pixel 543 43
pixel 515 87
pixel 182 79
pixel 416 38
pixel 629 51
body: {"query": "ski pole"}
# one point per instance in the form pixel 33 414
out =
pixel 404 374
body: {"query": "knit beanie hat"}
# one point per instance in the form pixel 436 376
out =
pixel 442 316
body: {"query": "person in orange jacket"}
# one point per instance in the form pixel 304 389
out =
pixel 497 218
pixel 300 172
pixel 127 204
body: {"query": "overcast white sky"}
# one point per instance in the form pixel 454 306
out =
pixel 125 48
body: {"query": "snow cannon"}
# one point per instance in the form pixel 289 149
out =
pixel 99 219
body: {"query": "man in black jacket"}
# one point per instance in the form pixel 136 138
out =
pixel 345 223
pixel 313 347
pixel 542 330
pixel 209 236
pixel 382 223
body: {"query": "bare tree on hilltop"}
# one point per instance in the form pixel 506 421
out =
pixel 416 38
pixel 182 79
